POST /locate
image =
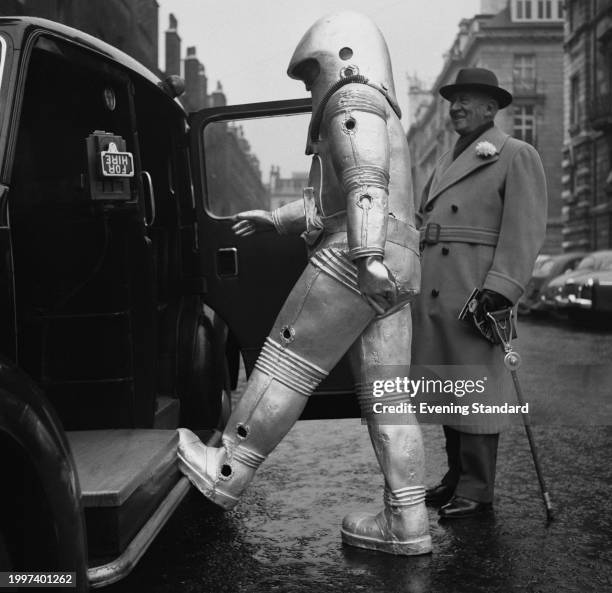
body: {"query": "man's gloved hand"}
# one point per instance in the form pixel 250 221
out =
pixel 488 301
pixel 485 301
pixel 252 221
pixel 376 283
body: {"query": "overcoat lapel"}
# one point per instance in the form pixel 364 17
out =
pixel 466 163
pixel 445 162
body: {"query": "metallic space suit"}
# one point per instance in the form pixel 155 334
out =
pixel 358 220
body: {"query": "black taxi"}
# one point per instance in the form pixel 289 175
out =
pixel 126 302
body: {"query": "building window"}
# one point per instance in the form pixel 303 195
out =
pixel 537 10
pixel 522 6
pixel 524 72
pixel 574 115
pixel 560 9
pixel 524 123
pixel 544 9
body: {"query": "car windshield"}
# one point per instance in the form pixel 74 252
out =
pixel 588 263
pixel 597 261
pixel 606 264
pixel 543 269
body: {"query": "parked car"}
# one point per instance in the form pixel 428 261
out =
pixel 587 288
pixel 125 297
pixel 544 271
pixel 591 294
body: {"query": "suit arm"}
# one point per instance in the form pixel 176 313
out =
pixel 523 225
pixel 356 122
pixel 290 219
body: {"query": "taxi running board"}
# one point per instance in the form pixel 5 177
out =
pixel 106 574
pixel 119 568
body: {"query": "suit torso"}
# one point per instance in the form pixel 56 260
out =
pixel 329 194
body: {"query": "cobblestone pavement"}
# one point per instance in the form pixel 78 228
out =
pixel 284 535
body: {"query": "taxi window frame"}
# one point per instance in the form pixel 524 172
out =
pixel 198 122
pixel 207 203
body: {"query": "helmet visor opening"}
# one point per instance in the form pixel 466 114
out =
pixel 306 71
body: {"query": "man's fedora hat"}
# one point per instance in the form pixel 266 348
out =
pixel 477 79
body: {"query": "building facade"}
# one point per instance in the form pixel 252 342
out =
pixel 196 95
pixel 587 151
pixel 522 42
pixel 130 25
pixel 285 189
pixel 234 181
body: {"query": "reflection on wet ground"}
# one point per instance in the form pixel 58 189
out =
pixel 284 535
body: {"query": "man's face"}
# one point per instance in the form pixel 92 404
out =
pixel 470 110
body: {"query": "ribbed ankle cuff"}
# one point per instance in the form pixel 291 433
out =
pixel 367 399
pixel 405 497
pixel 243 455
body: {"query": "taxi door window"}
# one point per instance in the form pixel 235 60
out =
pixel 256 163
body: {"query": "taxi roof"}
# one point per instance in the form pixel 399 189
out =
pixel 25 25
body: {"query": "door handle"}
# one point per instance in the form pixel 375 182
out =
pixel 147 183
pixel 227 262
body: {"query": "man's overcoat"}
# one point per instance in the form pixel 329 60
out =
pixel 492 216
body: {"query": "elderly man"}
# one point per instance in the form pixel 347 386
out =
pixel 482 222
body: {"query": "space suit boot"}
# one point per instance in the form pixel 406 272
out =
pixel 402 527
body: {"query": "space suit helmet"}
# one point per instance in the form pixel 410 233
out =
pixel 338 46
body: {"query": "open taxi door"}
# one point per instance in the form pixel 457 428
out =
pixel 248 157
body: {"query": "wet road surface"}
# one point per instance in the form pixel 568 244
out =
pixel 284 535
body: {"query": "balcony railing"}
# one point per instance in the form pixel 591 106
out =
pixel 600 112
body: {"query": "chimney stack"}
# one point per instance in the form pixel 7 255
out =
pixel 173 48
pixel 218 96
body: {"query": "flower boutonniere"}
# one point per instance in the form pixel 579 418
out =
pixel 485 150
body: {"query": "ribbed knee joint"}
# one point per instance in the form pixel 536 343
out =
pixel 289 368
pixel 335 263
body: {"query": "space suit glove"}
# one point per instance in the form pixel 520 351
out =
pixel 376 283
pixel 250 222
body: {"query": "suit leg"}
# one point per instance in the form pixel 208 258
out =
pixel 453 442
pixel 319 321
pixel 478 457
pixel 382 352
